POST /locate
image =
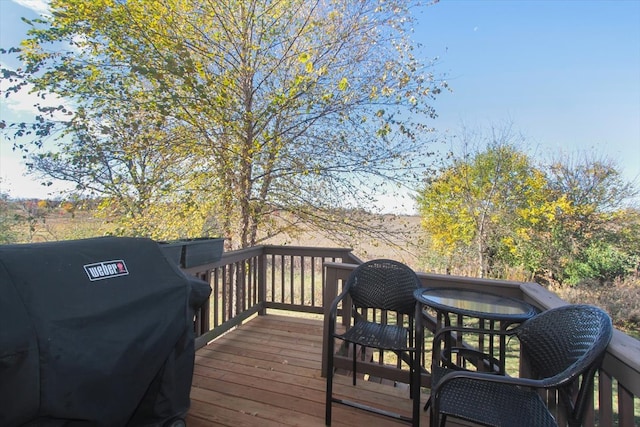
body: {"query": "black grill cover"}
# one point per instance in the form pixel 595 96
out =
pixel 95 332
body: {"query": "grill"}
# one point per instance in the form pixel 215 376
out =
pixel 95 332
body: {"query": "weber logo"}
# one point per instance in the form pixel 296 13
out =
pixel 106 270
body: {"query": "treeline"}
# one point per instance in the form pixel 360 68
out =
pixel 498 211
pixel 25 220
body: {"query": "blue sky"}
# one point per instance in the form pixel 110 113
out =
pixel 566 74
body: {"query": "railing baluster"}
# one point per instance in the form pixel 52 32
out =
pixel 215 292
pixel 313 281
pixel 605 398
pixel 282 276
pixel 625 407
pixel 292 289
pixel 302 263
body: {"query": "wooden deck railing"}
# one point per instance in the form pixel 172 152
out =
pixel 250 281
pixel 305 279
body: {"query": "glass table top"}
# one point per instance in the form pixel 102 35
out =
pixel 475 303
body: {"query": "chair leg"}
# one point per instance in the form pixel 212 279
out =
pixel 411 375
pixel 434 416
pixel 426 405
pixel 436 419
pixel 415 389
pixel 329 394
pixel 327 415
pixel 354 364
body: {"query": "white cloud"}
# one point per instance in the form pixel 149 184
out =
pixel 25 101
pixel 39 6
pixel 401 203
pixel 14 177
pixel 15 180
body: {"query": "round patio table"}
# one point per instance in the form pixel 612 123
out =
pixel 493 313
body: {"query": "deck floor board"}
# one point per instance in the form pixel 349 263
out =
pixel 267 373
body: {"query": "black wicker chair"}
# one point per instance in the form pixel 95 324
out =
pixel 381 285
pixel 563 348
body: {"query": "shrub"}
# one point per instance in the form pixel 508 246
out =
pixel 600 261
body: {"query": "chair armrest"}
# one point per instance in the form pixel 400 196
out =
pixel 333 310
pixel 482 376
pixel 558 380
pixel 465 351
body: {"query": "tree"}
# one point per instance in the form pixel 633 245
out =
pixel 593 232
pixel 133 161
pixel 481 199
pixel 291 106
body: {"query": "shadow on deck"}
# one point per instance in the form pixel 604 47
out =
pixel 267 373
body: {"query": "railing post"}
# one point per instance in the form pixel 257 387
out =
pixel 330 292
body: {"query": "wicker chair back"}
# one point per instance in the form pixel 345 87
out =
pixel 383 284
pixel 564 341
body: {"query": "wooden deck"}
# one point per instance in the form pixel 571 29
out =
pixel 267 373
